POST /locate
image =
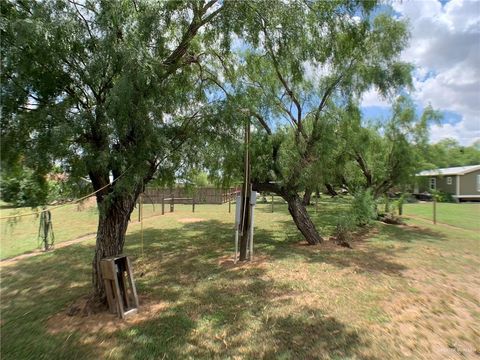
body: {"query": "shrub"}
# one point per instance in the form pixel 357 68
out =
pixel 24 188
pixel 443 196
pixel 363 208
pixel 344 227
pixel 401 201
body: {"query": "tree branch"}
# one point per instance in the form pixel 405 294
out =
pixel 172 61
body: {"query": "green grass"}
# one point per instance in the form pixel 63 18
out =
pixel 19 235
pixel 401 292
pixel 465 216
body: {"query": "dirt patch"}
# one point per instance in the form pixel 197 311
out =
pixel 16 259
pixel 102 321
pixel 190 220
pixel 87 204
pixel 434 319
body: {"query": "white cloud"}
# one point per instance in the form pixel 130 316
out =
pixel 445 48
pixel 458 131
pixel 373 98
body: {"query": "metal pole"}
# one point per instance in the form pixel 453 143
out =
pixel 229 204
pixel 236 246
pixel 163 205
pixel 139 208
pixel 193 204
pixel 141 234
pixel 316 203
pixel 247 188
pixel 251 233
pixel 272 203
pixel 434 209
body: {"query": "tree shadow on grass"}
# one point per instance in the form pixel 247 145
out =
pixel 212 312
pixel 226 312
pixel 33 290
pixel 409 234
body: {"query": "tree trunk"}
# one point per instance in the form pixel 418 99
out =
pixel 302 219
pixel 307 196
pixel 112 227
pixel 331 190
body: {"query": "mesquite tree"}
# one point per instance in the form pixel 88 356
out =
pixel 298 65
pixel 109 90
pixel 379 155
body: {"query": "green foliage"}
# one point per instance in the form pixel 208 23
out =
pixel 24 187
pixel 442 196
pixel 363 208
pixel 67 189
pixel 108 88
pixel 401 201
pixel 298 82
pixel 449 153
pixel 382 154
pixel 345 225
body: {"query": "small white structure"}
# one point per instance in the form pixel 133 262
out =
pixel 238 217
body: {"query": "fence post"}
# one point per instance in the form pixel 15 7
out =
pixel 193 204
pixel 139 211
pixel 172 203
pixel 163 205
pixel 272 203
pixel 229 204
pixel 434 209
pixel 316 204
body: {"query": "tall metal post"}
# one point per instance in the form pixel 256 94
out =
pixel 246 190
pixel 140 207
pixel 250 240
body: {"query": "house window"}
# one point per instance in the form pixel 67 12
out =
pixel 478 182
pixel 449 180
pixel 433 183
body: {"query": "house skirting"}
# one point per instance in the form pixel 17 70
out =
pixel 466 197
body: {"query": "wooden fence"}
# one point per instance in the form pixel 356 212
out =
pixel 206 195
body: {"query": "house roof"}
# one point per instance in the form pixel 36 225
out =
pixel 459 170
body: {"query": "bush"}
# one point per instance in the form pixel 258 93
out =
pixel 344 227
pixel 443 196
pixel 401 201
pixel 363 208
pixel 24 188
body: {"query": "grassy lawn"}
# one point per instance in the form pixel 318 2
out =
pixel 20 234
pixel 402 292
pixel 465 216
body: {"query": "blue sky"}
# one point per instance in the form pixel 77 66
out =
pixel 445 50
